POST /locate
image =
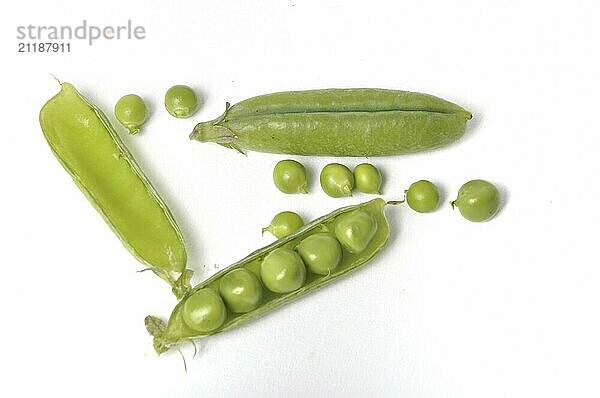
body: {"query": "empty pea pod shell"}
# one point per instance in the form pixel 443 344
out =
pixel 175 331
pixel 337 122
pixel 90 150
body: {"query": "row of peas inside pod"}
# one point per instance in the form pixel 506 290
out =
pixel 319 252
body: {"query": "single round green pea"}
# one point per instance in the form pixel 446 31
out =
pixel 478 200
pixel 423 196
pixel 355 230
pixel 289 176
pixel 337 180
pixel 282 271
pixel 181 101
pixel 204 311
pixel 284 223
pixel 321 252
pixel 241 290
pixel 131 112
pixel 367 178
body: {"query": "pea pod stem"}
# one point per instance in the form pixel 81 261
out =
pixel 180 282
pixel 212 131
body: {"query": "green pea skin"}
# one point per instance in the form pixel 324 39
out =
pixel 356 230
pixel 131 112
pixel 337 122
pixel 282 271
pixel 367 178
pixel 241 290
pixel 181 101
pixel 337 180
pixel 423 196
pixel 289 177
pixel 321 252
pixel 478 200
pixel 204 311
pixel 283 224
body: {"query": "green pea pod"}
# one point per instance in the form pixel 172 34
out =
pixel 90 150
pixel 176 330
pixel 337 122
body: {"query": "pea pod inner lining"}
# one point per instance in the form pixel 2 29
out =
pixel 101 166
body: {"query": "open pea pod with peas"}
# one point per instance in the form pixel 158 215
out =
pixel 317 254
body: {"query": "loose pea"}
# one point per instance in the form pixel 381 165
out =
pixel 131 112
pixel 241 290
pixel 356 230
pixel 423 196
pixel 478 200
pixel 367 178
pixel 289 176
pixel 321 252
pixel 204 311
pixel 337 180
pixel 284 223
pixel 181 101
pixel 282 271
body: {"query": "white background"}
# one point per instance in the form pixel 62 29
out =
pixel 507 308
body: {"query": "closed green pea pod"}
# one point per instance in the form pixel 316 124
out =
pixel 176 330
pixel 90 150
pixel 337 122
